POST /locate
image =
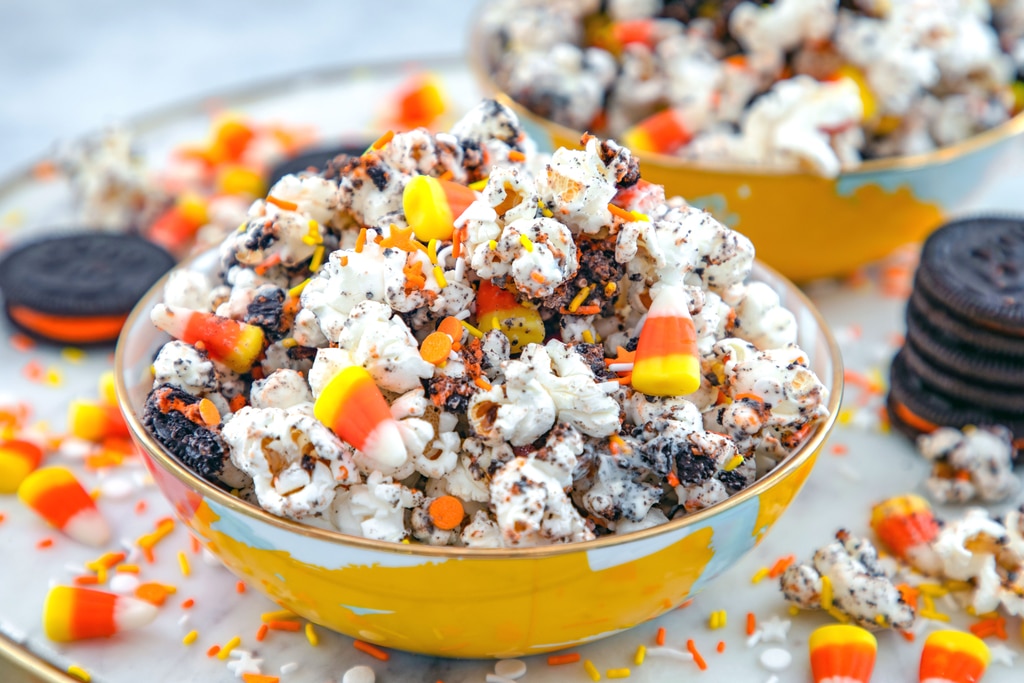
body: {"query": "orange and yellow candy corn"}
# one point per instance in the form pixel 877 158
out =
pixel 57 496
pixel 353 407
pixel 432 205
pixel 419 101
pixel 497 309
pixel 17 459
pixel 841 653
pixel 953 657
pixel 95 421
pixel 74 613
pixel 176 227
pixel 233 343
pixel 664 133
pixel 906 526
pixel 667 361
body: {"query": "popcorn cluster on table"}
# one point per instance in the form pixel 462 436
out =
pixel 793 84
pixel 540 292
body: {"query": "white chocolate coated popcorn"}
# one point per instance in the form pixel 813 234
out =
pixel 984 454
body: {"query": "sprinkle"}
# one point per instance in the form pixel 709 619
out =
pixel 641 653
pixel 289 667
pixel 482 383
pixel 44 543
pixel 588 336
pixel 619 212
pixel 754 639
pixel 72 354
pixel 79 673
pixel 297 289
pixel 720 647
pixel 282 203
pixel 617 673
pixel 826 593
pixel 580 297
pixel 751 623
pixel 492 245
pixel 733 463
pixel 516 155
pixel 186 570
pixel 383 140
pixel 780 566
pixel 660 637
pixel 932 590
pixel 839 449
pixel 692 647
pixel 717 619
pixel 261 633
pixel 318 259
pixel 432 250
pixel 591 670
pixel 240 587
pixel 311 635
pixel 190 637
pixel 759 575
pixel 479 185
pixel 225 651
pixel 472 330
pixel 361 240
pixel 442 282
pixel 140 507
pixel 525 241
pixel 313 236
pixel 187 604
pixel 538 277
pixel 284 625
pixel 371 650
pixel 279 615
pixel 259 678
pixel 567 658
pixel 214 649
pixel 127 568
pixel 21 342
pixel 670 653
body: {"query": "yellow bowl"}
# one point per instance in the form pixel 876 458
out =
pixel 461 602
pixel 803 225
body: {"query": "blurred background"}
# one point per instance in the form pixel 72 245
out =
pixel 69 68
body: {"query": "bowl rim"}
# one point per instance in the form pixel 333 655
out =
pixel 478 64
pixel 169 463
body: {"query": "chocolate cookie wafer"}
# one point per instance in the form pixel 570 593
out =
pixel 952 383
pixel 966 332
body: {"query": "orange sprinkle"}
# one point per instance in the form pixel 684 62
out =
pixel 621 213
pixel 751 623
pixel 371 650
pixel 44 543
pixel 482 383
pixel 208 411
pixel 2 517
pixel 990 627
pixel 697 658
pixel 592 309
pixel 720 647
pixel 237 403
pixel 457 243
pixel 780 566
pixel 907 635
pixel 140 507
pixel 344 261
pixel 155 593
pixel 45 170
pixel 516 155
pixel 361 240
pixel 673 479
pixel 538 277
pixel 187 604
pixel 240 587
pixel 446 512
pixel 436 347
pixel 262 632
pixel 383 140
pixel 259 678
pixel 22 342
pixel 839 449
pixel 282 203
pixel 284 625
pixel 196 545
pixel 87 580
pixel 660 638
pixel 267 263
pixel 212 652
pixel 567 658
pixel 909 593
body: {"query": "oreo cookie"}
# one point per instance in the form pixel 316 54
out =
pixel 975 266
pixel 952 383
pixel 79 288
pixel 315 160
pixel 980 338
pixel 915 409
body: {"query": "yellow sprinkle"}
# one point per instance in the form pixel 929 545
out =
pixel 733 463
pixel 932 589
pixel 318 259
pixel 241 228
pixel 313 236
pixel 297 289
pixel 610 288
pixel 641 216
pixel 580 297
pixel 931 614
pixel 588 336
pixel 127 568
pixel 186 570
pixel 793 610
pixel 472 330
pixel 617 673
pixel 927 603
pixel 838 616
pixel 826 593
pixel 279 615
pixel 723 618
pixel 525 241
pixel 432 250
pixel 495 325
pixel 101 575
pixel 79 673
pixel 442 281
pixel 72 354
pixel 759 575
pixel 225 651
pixel 492 245
pixel 311 635
pixel 190 637
pixel 591 670
pixel 989 615
pixel 641 653
pixel 479 185
pixel 845 416
pixel 289 342
pixel 544 209
pixel 880 619
pixel 957 586
pixel 54 377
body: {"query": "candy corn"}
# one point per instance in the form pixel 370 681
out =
pixel 74 613
pixel 664 133
pixel 953 657
pixel 842 654
pixel 17 459
pixel 667 361
pixel 235 344
pixel 174 228
pixel 906 526
pixel 94 421
pixel 353 407
pixel 431 206
pixel 59 498
pixel 419 101
pixel 497 309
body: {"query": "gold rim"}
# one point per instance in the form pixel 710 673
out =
pixel 478 65
pixel 171 465
pixel 32 664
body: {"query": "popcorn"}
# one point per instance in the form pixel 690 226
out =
pixel 976 462
pixel 399 373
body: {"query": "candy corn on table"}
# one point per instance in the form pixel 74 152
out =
pixel 210 627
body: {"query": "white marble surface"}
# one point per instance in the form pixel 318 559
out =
pixel 72 67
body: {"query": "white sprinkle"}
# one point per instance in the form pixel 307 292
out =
pixel 290 667
pixel 124 583
pixel 75 569
pixel 184 620
pixel 776 659
pixel 510 668
pixel 669 653
pixel 460 269
pixel 754 638
pixel 609 387
pixel 117 488
pixel 621 367
pixel 237 652
pixel 495 678
pixel 461 315
pixel 359 674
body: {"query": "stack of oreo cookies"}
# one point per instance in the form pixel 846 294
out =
pixel 963 360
